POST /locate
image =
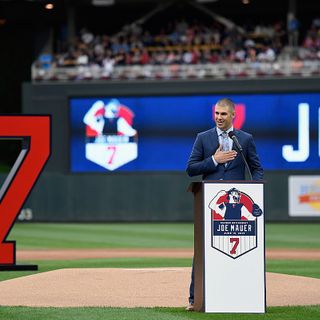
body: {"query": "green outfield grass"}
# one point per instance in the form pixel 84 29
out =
pixel 103 235
pixel 148 235
pixel 274 313
pixel 293 235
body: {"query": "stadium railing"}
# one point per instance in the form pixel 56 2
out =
pixel 286 68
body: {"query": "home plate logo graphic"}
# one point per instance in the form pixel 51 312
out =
pixel 234 222
pixel 111 141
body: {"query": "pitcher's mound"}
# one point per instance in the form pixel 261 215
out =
pixel 151 287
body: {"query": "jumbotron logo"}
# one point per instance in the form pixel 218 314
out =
pixel 111 140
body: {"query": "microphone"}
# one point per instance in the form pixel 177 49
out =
pixel 235 140
pixel 238 146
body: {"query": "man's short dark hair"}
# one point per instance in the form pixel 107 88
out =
pixel 226 102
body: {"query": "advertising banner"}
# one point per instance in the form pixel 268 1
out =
pixel 304 196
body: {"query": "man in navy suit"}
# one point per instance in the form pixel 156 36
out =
pixel 215 157
pixel 210 160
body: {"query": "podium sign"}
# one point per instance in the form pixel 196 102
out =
pixel 234 248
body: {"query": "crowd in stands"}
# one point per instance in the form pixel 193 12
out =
pixel 179 42
pixel 310 48
pixel 188 43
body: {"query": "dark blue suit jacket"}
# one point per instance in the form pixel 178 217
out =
pixel 206 144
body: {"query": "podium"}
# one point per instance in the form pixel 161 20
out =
pixel 229 246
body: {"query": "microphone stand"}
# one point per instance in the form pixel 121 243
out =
pixel 247 166
pixel 239 148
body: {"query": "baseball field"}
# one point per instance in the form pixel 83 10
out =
pixel 79 266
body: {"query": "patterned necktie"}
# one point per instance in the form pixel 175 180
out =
pixel 225 141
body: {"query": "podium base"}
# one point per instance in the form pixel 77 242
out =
pixel 18 267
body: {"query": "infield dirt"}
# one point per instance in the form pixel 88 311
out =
pixel 147 287
pixel 72 254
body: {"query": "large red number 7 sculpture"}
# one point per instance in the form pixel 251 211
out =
pixel 34 131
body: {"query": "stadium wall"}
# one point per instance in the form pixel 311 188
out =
pixel 60 195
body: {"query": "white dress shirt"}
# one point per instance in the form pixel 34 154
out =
pixel 219 132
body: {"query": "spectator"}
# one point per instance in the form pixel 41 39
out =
pixel 187 57
pixel 293 30
pixel 296 64
pixel 82 58
pixel 267 54
pixel 240 55
pixel 45 61
pixel 145 57
pixel 108 64
pixel 86 36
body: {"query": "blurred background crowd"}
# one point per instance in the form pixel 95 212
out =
pixel 180 36
pixel 102 40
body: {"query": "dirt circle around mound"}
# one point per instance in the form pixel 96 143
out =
pixel 134 287
pixel 131 288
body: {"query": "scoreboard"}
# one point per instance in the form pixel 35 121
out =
pixel 160 131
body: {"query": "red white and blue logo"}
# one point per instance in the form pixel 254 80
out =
pixel 111 140
pixel 234 222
